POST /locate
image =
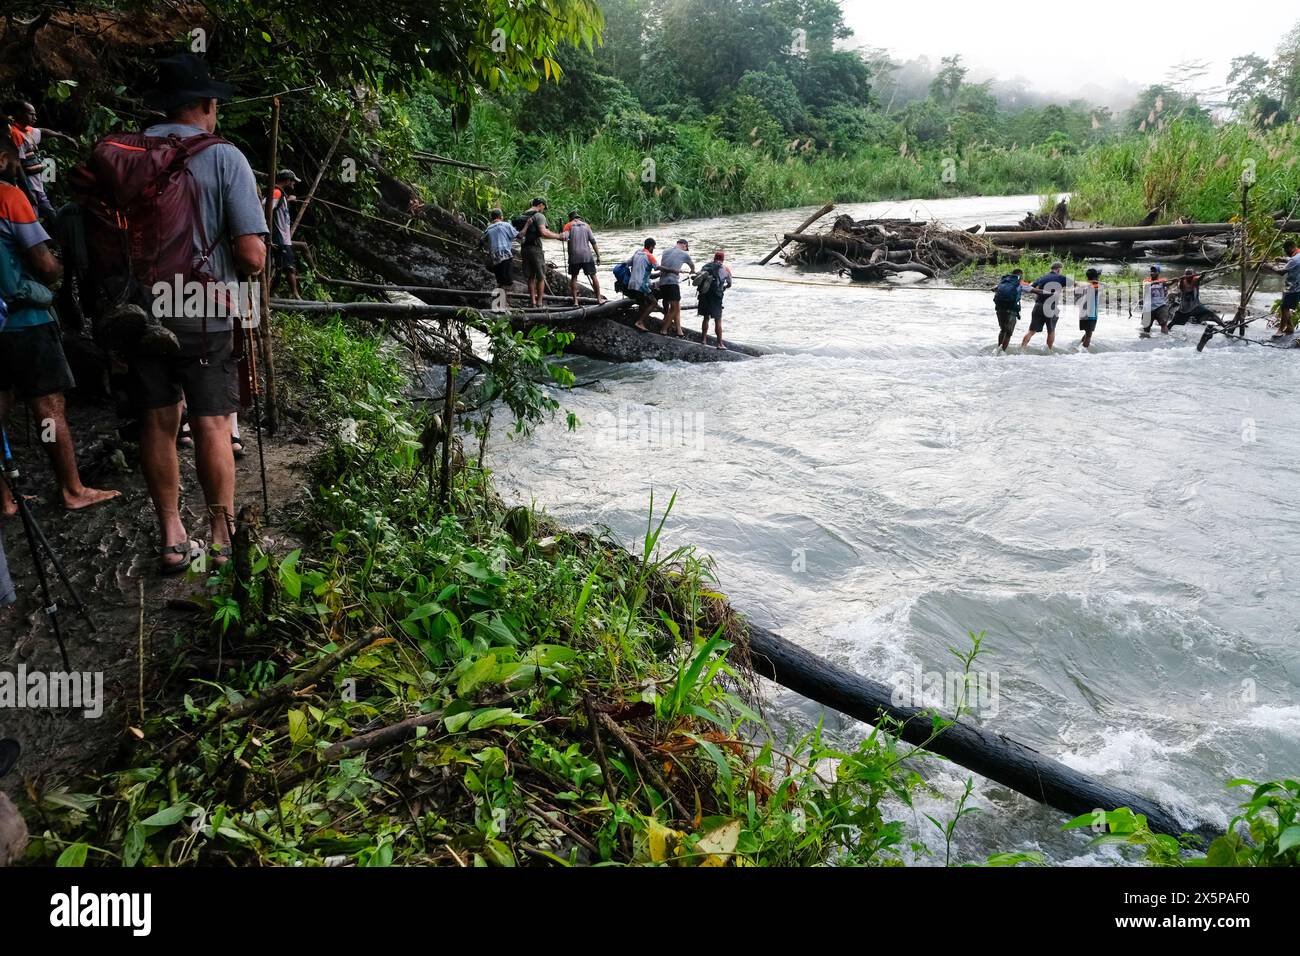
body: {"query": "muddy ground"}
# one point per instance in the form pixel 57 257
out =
pixel 109 553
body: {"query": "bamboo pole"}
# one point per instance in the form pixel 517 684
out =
pixel 264 327
pixel 320 174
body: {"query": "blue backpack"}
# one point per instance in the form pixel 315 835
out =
pixel 1008 290
pixel 622 276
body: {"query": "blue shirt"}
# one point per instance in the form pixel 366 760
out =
pixel 500 236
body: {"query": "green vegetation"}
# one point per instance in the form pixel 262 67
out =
pixel 517 652
pixel 1189 169
pixel 1265 833
pixel 697 173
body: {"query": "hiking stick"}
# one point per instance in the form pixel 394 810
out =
pixel 250 343
pixel 264 327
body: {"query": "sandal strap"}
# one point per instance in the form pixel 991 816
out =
pixel 181 547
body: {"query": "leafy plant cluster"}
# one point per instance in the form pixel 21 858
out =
pixel 468 686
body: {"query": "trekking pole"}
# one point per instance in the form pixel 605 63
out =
pixel 40 548
pixel 250 342
pixel 268 352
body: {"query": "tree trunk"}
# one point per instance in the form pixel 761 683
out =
pixel 999 758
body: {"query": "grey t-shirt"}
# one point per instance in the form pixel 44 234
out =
pixel 579 235
pixel 229 206
pixel 1292 273
pixel 674 259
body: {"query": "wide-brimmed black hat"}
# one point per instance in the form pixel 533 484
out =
pixel 184 78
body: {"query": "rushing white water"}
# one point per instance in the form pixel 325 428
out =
pixel 1118 523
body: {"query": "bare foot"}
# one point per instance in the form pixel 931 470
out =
pixel 641 327
pixel 88 498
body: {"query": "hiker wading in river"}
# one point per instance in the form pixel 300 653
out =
pixel 1290 290
pixel 1155 302
pixel 1048 290
pixel 1006 303
pixel 1089 306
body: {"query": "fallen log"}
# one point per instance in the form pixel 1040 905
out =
pixel 1046 237
pixel 878 268
pixel 802 226
pixel 991 755
pixel 596 334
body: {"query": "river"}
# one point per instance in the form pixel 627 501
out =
pixel 1118 524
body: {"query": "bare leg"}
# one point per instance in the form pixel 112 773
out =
pixel 1026 340
pixel 644 314
pixel 595 287
pixel 162 472
pixel 718 325
pixel 216 466
pixel 573 289
pixel 52 422
pixel 1051 338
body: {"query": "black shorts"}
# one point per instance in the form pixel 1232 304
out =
pixel 534 262
pixel 710 308
pixel 641 298
pixel 209 390
pixel 282 256
pixel 1008 316
pixel 505 273
pixel 671 292
pixel 1290 300
pixel 1087 325
pixel 588 268
pixel 1039 320
pixel 32 363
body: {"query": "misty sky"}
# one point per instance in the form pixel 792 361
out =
pixel 1049 45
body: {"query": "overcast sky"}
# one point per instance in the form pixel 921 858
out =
pixel 1131 43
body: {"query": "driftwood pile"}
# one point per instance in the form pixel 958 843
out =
pixel 869 250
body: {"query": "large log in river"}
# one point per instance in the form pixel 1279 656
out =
pixel 999 758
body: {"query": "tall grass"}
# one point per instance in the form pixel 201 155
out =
pixel 694 173
pixel 1188 169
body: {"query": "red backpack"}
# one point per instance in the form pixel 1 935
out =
pixel 142 214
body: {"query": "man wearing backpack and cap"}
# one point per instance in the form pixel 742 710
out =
pixel 281 237
pixel 226 226
pixel 531 234
pixel 1006 302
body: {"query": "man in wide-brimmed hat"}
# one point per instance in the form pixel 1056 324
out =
pixel 205 372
